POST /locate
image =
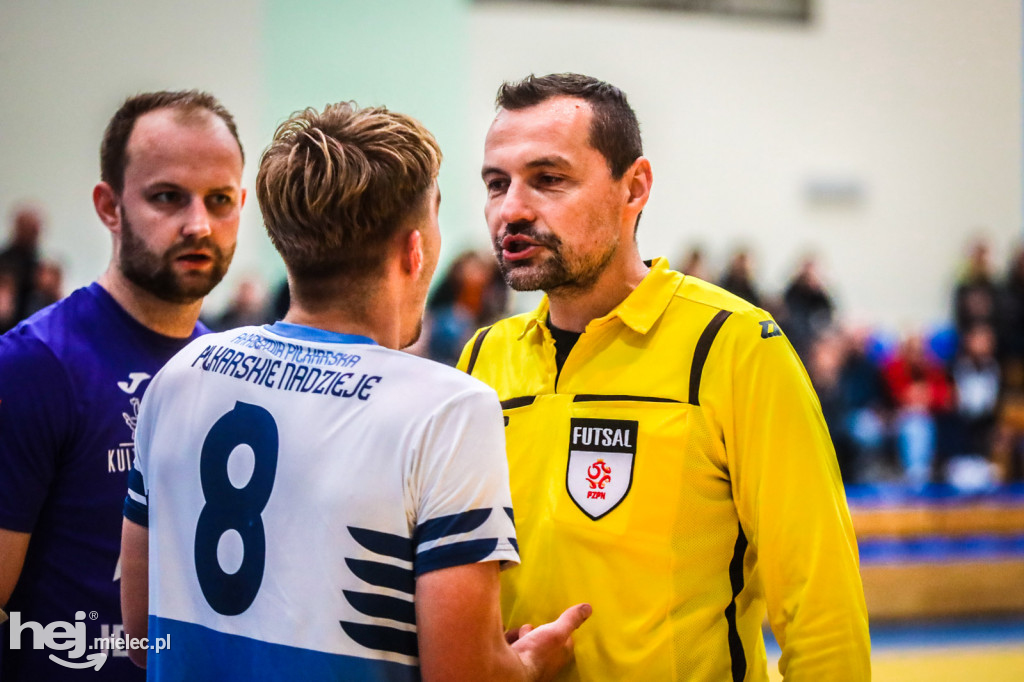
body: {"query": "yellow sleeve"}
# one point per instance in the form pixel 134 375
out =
pixel 791 503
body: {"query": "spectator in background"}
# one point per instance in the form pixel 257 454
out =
pixel 248 306
pixel 977 385
pixel 48 286
pixel 694 264
pixel 21 256
pixel 923 399
pixel 739 277
pixel 8 302
pixel 808 307
pixel 1011 324
pixel 1008 441
pixel 854 401
pixel 472 294
pixel 281 301
pixel 975 295
pixel 825 361
pixel 976 378
pixel 868 405
pixel 1008 445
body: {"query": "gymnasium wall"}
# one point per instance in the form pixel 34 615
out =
pixel 882 135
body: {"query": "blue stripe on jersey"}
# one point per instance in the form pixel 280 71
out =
pixel 383 543
pixel 443 526
pixel 135 482
pixel 301 332
pixel 382 638
pixel 135 512
pixel 455 554
pixel 512 518
pixel 382 606
pixel 383 575
pixel 199 654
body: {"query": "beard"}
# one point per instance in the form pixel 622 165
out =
pixel 154 272
pixel 558 268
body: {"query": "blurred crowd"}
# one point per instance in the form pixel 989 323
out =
pixel 943 406
pixel 27 282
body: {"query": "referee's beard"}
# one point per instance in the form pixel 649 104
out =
pixel 557 267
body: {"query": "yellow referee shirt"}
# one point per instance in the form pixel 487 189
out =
pixel 676 474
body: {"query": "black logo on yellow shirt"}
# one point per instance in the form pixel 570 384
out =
pixel 599 473
pixel 770 329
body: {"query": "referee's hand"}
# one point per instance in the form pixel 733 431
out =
pixel 546 649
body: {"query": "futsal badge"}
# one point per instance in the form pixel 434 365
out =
pixel 600 469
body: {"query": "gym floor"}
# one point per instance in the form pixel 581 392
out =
pixel 939 651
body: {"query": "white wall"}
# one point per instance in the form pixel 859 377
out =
pixel 917 102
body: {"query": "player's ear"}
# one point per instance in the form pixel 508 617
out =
pixel 412 253
pixel 639 177
pixel 108 206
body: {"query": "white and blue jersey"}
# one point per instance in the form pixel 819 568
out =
pixel 71 378
pixel 295 483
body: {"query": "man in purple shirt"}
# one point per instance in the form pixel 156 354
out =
pixel 72 376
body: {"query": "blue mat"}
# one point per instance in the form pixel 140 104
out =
pixel 942 634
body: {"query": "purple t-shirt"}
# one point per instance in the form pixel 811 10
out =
pixel 71 378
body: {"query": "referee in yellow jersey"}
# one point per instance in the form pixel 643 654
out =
pixel 668 457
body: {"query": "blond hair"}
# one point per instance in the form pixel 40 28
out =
pixel 334 187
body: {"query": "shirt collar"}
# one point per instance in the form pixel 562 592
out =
pixel 301 332
pixel 536 319
pixel 638 311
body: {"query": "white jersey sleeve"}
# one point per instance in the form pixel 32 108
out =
pixel 464 507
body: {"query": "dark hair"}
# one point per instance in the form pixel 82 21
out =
pixel 614 130
pixel 114 148
pixel 334 187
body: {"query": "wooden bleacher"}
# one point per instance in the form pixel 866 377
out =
pixel 938 554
